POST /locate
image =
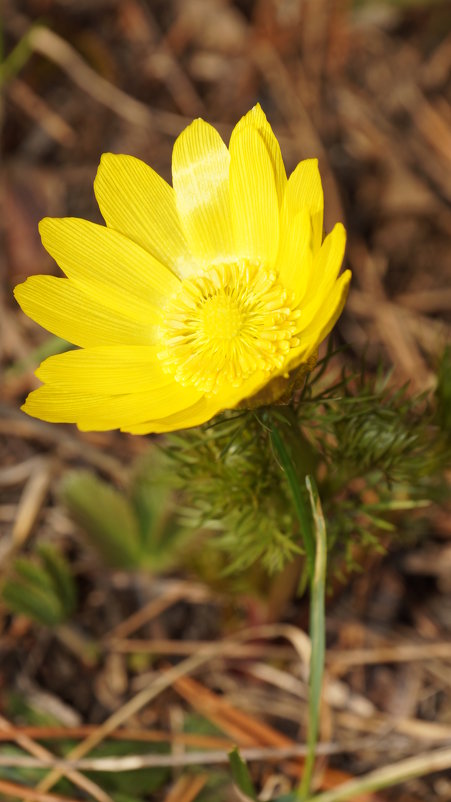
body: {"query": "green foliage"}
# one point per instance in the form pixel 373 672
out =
pixel 42 589
pixel 131 529
pixel 382 451
pixel 232 486
pixel 374 450
pixel 361 425
pixel 105 515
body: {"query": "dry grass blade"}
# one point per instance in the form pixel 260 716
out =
pixel 418 766
pixel 231 650
pixel 403 653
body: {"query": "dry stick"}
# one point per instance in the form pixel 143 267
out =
pixel 408 769
pixel 43 754
pixel 298 638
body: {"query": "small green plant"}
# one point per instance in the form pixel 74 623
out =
pixel 373 451
pixel 41 587
pixel 132 529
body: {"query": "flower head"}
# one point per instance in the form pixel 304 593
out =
pixel 192 298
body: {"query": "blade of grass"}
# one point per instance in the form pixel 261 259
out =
pixel 317 634
pixel 240 774
pixel 282 434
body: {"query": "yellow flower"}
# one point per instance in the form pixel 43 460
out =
pixel 192 298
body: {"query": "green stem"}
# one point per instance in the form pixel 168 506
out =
pixel 296 458
pixel 317 636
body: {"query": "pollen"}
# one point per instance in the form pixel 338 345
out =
pixel 225 324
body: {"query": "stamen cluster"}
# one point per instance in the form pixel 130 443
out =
pixel 223 325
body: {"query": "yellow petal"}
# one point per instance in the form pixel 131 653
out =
pixel 47 403
pixel 200 412
pixel 64 309
pixel 295 258
pixel 104 412
pixel 247 389
pixel 109 267
pixel 331 309
pixel 324 273
pixel 255 207
pixel 200 171
pixel 257 118
pixel 105 370
pixel 324 321
pixel 304 190
pixel 119 412
pixel 137 202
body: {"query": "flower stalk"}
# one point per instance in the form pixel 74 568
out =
pixel 296 457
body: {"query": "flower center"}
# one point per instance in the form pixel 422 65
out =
pixel 225 324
